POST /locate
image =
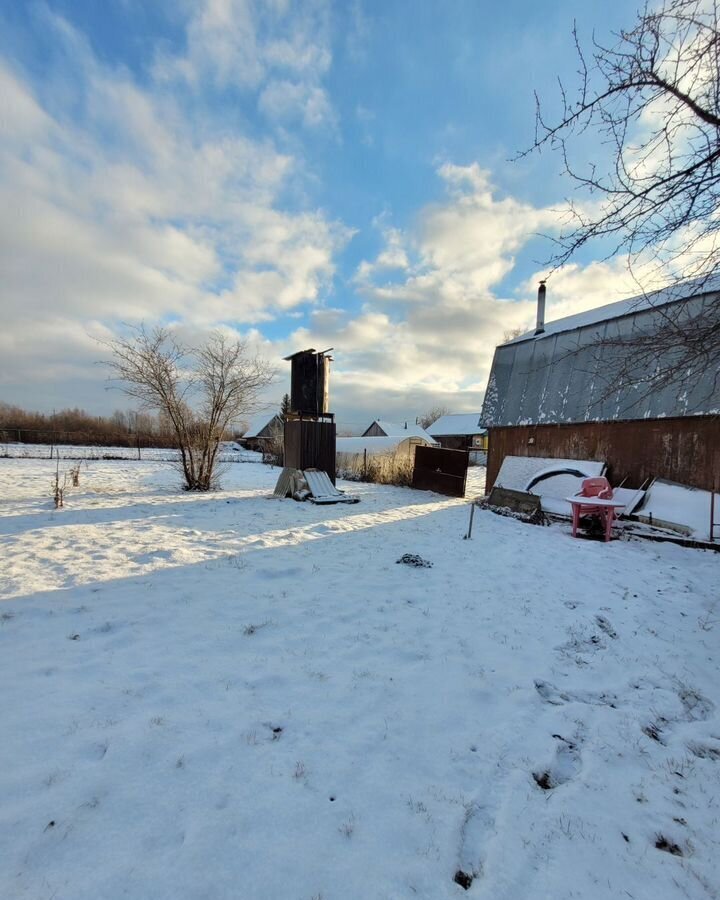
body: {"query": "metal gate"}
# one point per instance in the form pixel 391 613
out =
pixel 440 470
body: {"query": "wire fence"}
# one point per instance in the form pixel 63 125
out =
pixel 31 444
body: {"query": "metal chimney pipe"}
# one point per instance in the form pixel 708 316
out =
pixel 540 327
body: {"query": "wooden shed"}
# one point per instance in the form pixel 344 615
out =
pixel 548 395
pixel 262 431
pixel 460 431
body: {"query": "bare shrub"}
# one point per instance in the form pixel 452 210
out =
pixel 201 391
pixel 61 482
pixel 432 415
pixel 274 446
pixel 58 488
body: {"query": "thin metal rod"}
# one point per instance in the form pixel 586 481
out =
pixel 470 526
pixel 713 523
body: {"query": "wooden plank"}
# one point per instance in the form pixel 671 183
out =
pixel 685 450
pixel 517 501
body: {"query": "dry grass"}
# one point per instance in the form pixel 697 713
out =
pixel 385 468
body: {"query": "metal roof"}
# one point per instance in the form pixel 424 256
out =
pixel 681 290
pixel 401 430
pixel 259 424
pixel 558 375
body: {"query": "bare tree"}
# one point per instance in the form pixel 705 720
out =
pixel 432 415
pixel 200 391
pixel 513 333
pixel 273 448
pixel 651 101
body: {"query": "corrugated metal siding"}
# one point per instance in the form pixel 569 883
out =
pixel 320 484
pixel 562 377
pixel 686 450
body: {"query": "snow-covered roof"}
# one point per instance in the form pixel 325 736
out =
pixel 457 424
pixel 402 429
pixel 680 291
pixel 259 424
pixel 561 375
pixel 375 445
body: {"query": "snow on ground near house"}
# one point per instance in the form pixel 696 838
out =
pixel 227 696
pixel 682 505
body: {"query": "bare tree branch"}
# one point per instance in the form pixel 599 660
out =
pixel 201 391
pixel 652 99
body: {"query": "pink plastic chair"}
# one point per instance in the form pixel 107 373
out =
pixel 597 487
pixel 594 487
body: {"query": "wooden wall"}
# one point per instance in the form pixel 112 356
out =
pixel 458 442
pixel 374 431
pixel 310 444
pixel 454 441
pixel 686 450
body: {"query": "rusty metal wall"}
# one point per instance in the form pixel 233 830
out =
pixel 442 471
pixel 310 444
pixel 686 450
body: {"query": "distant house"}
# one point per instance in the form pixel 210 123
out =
pixel 463 431
pixel 262 430
pixel 383 428
pixel 379 446
pixel 548 396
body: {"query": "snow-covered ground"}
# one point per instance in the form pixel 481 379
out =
pixel 227 696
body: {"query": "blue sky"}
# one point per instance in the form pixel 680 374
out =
pixel 302 174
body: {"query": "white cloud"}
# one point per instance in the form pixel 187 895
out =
pixel 21 117
pixel 133 208
pixel 281 50
pixel 221 45
pixel 433 314
pixel 287 101
pixel 140 205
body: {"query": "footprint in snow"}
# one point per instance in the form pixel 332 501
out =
pixel 696 707
pixel 477 825
pixel 551 694
pixel 705 751
pixel 581 643
pixel 563 768
pixel 604 625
